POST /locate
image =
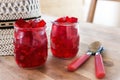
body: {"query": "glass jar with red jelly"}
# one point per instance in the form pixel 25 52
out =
pixel 30 43
pixel 64 38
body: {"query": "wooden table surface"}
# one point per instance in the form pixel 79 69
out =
pixel 55 68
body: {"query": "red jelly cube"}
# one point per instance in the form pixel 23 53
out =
pixel 20 23
pixel 27 25
pixel 62 19
pixel 73 20
pixel 41 23
pixel 32 23
pixel 67 19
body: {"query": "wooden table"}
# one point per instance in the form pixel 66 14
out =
pixel 55 68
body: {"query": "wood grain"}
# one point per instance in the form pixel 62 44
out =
pixel 55 68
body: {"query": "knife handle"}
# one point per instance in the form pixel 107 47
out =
pixel 99 67
pixel 78 62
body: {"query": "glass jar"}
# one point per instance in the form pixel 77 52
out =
pixel 30 47
pixel 64 39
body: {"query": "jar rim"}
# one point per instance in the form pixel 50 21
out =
pixel 64 23
pixel 38 28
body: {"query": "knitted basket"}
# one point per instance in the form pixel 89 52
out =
pixel 10 10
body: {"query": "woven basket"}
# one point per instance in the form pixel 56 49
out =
pixel 10 10
pixel 6 41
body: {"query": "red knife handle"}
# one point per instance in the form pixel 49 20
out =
pixel 99 67
pixel 78 62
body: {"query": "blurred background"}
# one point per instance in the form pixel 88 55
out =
pixel 106 11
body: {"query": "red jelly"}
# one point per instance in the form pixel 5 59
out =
pixel 65 37
pixel 30 44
